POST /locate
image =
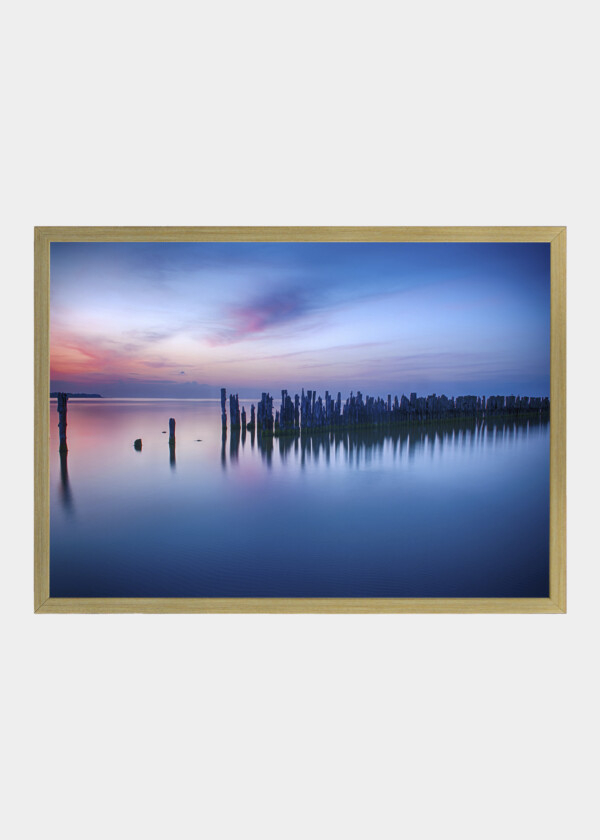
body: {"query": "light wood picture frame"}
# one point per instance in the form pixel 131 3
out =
pixel 554 603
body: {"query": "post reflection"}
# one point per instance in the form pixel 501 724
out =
pixel 234 444
pixel 360 448
pixel 66 495
pixel 223 452
pixel 265 447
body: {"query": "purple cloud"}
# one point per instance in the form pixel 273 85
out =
pixel 258 316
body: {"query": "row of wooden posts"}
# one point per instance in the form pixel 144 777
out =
pixel 311 412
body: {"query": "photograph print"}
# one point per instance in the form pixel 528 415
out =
pixel 299 419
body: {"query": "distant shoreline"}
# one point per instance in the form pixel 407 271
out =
pixel 54 395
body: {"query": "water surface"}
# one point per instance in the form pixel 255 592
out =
pixel 455 510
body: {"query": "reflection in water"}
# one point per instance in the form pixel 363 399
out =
pixel 265 446
pixel 223 453
pixel 360 447
pixel 66 495
pixel 234 444
pixel 411 511
pixel 172 461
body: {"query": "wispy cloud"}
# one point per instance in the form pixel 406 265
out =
pixel 103 358
pixel 151 336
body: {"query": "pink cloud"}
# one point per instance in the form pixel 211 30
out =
pixel 257 317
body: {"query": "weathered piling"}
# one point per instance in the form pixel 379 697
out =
pixel 265 413
pixel 234 411
pixel 252 424
pixel 287 413
pixel 172 442
pixel 61 407
pixel 137 444
pixel 223 408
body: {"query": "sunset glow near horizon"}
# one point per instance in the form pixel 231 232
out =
pixel 185 319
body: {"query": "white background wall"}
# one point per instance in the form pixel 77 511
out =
pixel 304 113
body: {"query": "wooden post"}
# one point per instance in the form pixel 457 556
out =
pixel 61 407
pixel 252 423
pixel 172 442
pixel 223 409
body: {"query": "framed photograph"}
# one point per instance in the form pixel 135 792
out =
pixel 300 419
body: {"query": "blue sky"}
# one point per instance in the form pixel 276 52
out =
pixel 184 319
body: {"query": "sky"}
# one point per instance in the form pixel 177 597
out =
pixel 185 319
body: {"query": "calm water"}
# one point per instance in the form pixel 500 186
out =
pixel 453 510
